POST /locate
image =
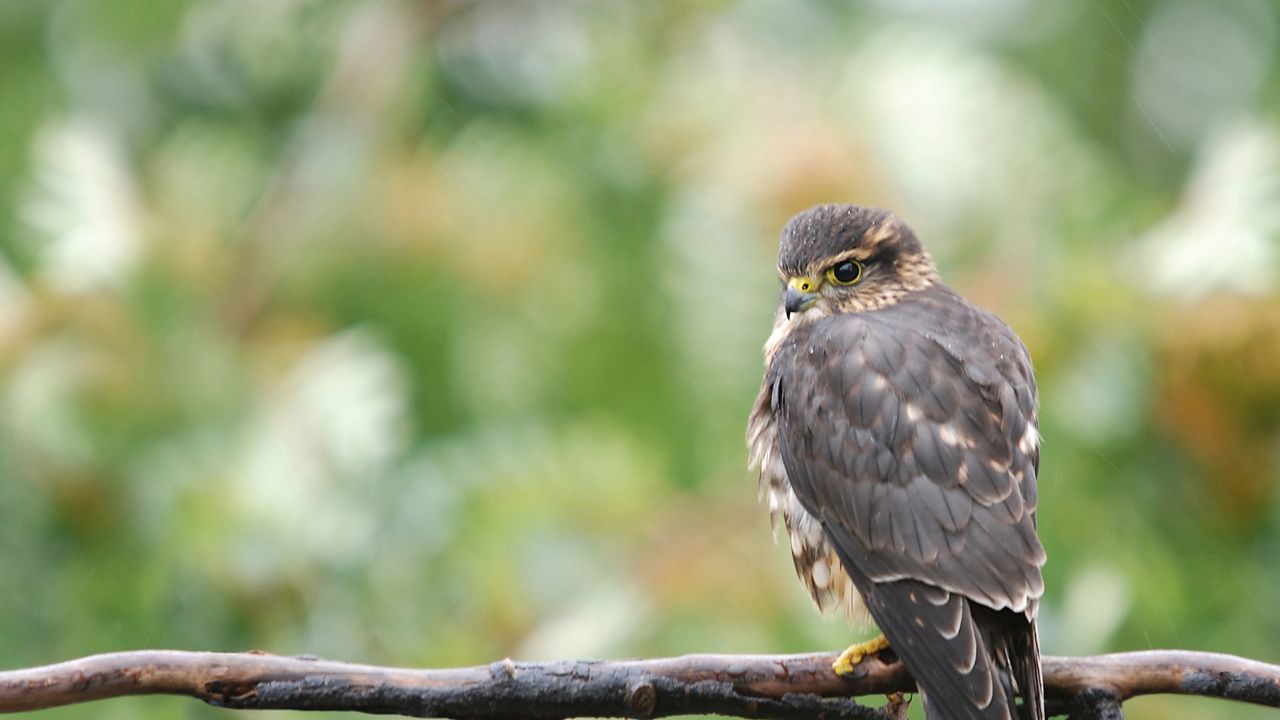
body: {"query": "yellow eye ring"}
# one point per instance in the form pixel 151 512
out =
pixel 845 273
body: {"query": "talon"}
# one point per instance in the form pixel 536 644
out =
pixel 854 655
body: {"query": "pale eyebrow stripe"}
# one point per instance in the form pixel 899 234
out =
pixel 861 254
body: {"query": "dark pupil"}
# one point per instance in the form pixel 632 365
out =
pixel 846 272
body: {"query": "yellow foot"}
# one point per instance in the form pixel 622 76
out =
pixel 854 655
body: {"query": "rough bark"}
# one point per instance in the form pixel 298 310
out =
pixel 750 686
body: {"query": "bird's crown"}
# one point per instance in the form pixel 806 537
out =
pixel 821 233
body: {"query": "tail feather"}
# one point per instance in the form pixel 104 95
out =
pixel 1014 643
pixel 969 661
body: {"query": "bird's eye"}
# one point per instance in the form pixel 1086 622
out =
pixel 846 273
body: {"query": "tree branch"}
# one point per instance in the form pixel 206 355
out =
pixel 751 686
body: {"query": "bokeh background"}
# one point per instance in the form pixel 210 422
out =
pixel 425 333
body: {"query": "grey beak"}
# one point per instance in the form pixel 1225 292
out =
pixel 794 301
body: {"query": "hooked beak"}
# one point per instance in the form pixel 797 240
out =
pixel 800 295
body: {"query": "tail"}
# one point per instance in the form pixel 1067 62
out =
pixel 1014 643
pixel 969 661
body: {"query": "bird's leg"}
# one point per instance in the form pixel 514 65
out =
pixel 856 652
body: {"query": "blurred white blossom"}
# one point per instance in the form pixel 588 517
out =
pixel 325 434
pixel 1225 234
pixel 83 207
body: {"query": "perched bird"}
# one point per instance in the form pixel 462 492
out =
pixel 895 433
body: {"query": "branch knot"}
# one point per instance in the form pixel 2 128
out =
pixel 642 699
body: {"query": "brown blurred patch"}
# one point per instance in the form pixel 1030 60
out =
pixel 705 551
pixel 805 164
pixel 1219 397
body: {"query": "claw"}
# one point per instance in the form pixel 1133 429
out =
pixel 854 655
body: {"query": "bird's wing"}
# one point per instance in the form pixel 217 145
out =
pixel 917 449
pixel 910 433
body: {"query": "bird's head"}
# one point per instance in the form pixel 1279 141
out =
pixel 847 258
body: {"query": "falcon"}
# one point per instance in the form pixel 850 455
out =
pixel 895 434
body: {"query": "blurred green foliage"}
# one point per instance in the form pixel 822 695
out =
pixel 425 333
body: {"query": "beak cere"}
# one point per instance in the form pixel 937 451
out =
pixel 795 299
